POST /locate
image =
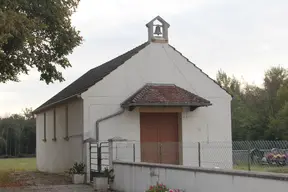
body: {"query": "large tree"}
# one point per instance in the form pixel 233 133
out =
pixel 36 34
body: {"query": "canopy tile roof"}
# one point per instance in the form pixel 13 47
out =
pixel 164 95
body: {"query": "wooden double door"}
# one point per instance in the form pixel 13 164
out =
pixel 159 137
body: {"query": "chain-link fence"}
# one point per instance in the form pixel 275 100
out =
pixel 244 155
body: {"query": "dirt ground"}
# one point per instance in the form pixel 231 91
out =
pixel 34 181
pixel 35 178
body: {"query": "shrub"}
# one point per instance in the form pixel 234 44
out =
pixel 110 174
pixel 78 168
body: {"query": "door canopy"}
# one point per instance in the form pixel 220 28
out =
pixel 164 95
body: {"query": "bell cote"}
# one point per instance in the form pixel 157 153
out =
pixel 158 30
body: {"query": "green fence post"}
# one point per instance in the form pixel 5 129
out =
pixel 199 154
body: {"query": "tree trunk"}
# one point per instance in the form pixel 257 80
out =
pixel 19 146
pixel 7 142
pixel 15 148
pixel 6 148
pixel 10 146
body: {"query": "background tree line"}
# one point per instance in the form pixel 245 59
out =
pixel 18 134
pixel 259 112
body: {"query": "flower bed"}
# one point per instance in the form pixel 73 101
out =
pixel 161 188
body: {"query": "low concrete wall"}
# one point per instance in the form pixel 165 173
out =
pixel 137 177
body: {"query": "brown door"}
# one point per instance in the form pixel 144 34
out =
pixel 159 138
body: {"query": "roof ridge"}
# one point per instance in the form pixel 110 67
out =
pixel 200 70
pixel 124 54
pixel 141 92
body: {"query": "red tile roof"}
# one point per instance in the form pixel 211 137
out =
pixel 164 95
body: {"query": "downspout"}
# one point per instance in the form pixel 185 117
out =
pixel 122 110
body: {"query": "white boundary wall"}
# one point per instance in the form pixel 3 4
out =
pixel 137 177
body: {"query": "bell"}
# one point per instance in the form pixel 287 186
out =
pixel 158 30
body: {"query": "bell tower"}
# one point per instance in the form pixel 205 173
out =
pixel 158 30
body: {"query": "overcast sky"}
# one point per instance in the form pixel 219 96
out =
pixel 241 37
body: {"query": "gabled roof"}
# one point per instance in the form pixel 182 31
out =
pixel 159 19
pixel 95 75
pixel 90 78
pixel 164 95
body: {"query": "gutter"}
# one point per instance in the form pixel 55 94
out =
pixel 122 110
pixel 194 104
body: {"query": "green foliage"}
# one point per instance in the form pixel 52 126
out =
pixel 278 127
pixel 78 168
pixel 18 134
pixel 110 174
pixel 36 34
pixel 259 112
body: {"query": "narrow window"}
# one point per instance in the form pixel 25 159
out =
pixel 44 139
pixel 54 125
pixel 66 124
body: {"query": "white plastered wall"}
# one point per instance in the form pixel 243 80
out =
pixel 59 156
pixel 160 63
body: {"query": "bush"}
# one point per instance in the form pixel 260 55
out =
pixel 110 174
pixel 78 168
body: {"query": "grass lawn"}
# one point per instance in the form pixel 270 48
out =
pixel 9 166
pixel 18 164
